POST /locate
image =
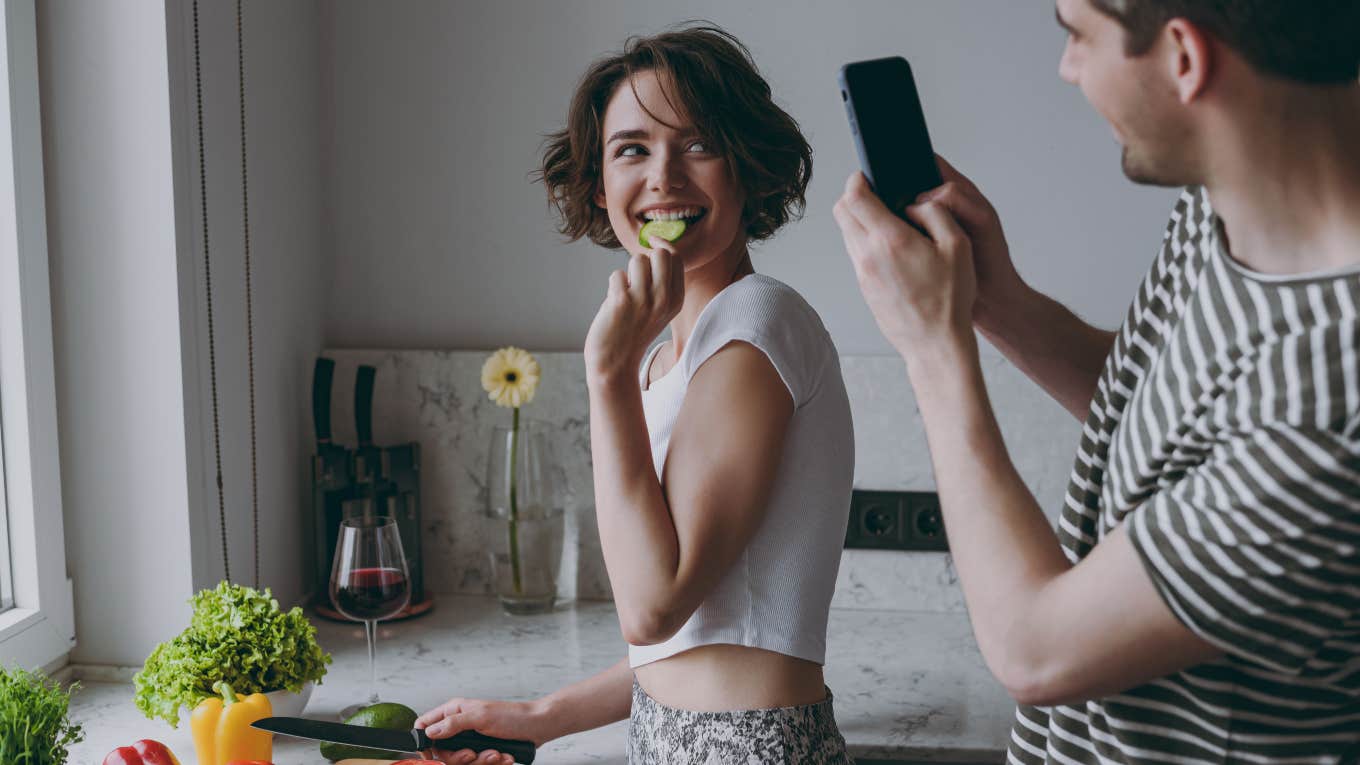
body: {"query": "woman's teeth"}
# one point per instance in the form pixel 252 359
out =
pixel 684 213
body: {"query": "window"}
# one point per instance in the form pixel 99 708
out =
pixel 6 586
pixel 37 629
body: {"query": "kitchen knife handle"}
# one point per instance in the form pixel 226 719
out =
pixel 321 398
pixel 363 404
pixel 522 751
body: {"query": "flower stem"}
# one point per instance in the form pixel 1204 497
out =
pixel 514 504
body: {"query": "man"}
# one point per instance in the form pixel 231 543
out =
pixel 1200 601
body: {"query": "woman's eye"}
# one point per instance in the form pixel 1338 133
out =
pixel 699 146
pixel 631 150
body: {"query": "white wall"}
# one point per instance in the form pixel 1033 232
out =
pixel 437 108
pixel 125 243
pixel 116 322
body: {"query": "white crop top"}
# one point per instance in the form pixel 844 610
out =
pixel 778 592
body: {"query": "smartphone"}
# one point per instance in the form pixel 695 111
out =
pixel 889 130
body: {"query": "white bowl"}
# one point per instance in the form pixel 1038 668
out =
pixel 287 704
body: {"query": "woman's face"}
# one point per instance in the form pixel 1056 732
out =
pixel 651 170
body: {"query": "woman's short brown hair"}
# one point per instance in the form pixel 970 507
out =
pixel 710 78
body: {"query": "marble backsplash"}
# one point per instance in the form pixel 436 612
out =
pixel 436 398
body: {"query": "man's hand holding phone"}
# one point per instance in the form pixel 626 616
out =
pixel 999 286
pixel 920 287
pixel 899 167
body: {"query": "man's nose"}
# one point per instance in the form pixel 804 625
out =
pixel 1067 65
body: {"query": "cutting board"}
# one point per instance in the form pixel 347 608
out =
pixel 365 762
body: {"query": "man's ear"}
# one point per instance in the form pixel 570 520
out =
pixel 1190 58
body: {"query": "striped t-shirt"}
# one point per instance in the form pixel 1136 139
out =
pixel 1225 431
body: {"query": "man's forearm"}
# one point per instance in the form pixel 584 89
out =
pixel 1050 344
pixel 1003 547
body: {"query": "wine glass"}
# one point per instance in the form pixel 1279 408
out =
pixel 369 581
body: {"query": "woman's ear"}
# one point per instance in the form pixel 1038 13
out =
pixel 1190 58
pixel 599 198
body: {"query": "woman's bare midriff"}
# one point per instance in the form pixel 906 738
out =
pixel 722 678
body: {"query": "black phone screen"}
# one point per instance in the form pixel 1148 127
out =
pixel 889 129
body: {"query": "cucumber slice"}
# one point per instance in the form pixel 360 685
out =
pixel 670 230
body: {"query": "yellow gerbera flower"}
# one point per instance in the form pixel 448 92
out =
pixel 510 377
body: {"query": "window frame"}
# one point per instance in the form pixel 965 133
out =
pixel 39 631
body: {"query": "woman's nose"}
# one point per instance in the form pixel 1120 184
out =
pixel 665 173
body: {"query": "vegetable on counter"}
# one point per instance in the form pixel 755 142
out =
pixel 144 752
pixel 222 732
pixel 34 727
pixel 239 636
pixel 386 715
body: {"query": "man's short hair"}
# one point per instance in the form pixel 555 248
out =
pixel 1311 41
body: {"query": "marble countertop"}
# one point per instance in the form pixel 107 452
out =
pixel 908 685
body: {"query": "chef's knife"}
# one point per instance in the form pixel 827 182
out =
pixel 321 400
pixel 331 459
pixel 363 404
pixel 393 740
pixel 366 456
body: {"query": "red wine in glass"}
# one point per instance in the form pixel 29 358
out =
pixel 372 593
pixel 369 582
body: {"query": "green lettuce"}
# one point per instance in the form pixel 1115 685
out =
pixel 237 635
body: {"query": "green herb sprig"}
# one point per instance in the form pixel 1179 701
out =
pixel 34 728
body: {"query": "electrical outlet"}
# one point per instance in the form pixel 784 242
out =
pixel 895 520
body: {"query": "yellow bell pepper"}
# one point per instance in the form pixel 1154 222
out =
pixel 222 732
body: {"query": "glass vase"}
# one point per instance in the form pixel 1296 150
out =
pixel 524 515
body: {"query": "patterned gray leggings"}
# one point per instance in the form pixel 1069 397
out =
pixel 660 735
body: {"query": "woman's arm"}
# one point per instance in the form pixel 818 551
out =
pixel 597 701
pixel 667 548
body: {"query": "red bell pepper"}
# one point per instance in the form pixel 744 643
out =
pixel 144 752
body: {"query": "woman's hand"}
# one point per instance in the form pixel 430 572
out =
pixel 920 287
pixel 642 299
pixel 519 720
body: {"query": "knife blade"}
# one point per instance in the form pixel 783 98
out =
pixel 393 740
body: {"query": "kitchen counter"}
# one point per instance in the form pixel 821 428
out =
pixel 909 686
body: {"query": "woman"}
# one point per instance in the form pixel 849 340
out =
pixel 723 458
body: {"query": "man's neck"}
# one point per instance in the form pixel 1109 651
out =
pixel 1288 187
